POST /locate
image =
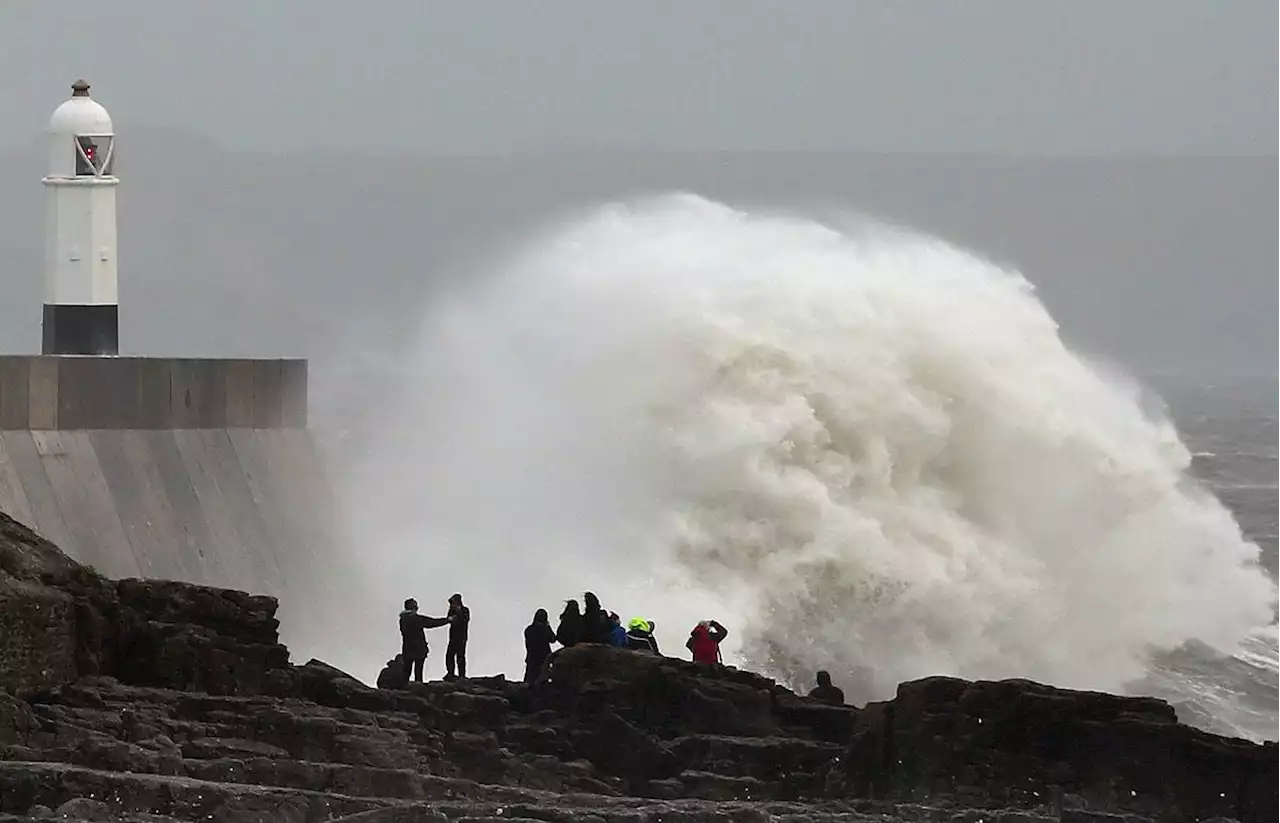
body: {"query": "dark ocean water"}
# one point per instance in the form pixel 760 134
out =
pixel 1230 425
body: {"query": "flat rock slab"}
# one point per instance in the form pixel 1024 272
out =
pixel 71 793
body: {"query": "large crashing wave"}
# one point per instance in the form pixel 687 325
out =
pixel 867 450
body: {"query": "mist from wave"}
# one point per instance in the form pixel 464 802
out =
pixel 863 449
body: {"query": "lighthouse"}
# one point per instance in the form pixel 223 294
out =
pixel 81 306
pixel 199 469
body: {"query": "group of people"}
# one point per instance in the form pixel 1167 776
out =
pixel 593 624
pixel 589 624
pixel 413 638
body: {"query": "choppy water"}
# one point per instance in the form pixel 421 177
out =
pixel 1230 426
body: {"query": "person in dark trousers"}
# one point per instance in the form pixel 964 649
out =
pixel 413 638
pixel 538 638
pixel 826 692
pixel 595 621
pixel 456 653
pixel 704 641
pixel 640 636
pixel 569 632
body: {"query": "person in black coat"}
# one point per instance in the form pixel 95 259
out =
pixel 640 636
pixel 538 638
pixel 826 691
pixel 456 653
pixel 569 632
pixel 413 638
pixel 596 627
pixel 392 674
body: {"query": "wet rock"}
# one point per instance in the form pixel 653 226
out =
pixel 1014 743
pixel 617 747
pixel 668 697
pixel 709 786
pixel 61 621
pixel 16 720
pixel 155 701
pixel 1085 816
pixel 84 809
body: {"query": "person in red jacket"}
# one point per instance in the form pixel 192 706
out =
pixel 704 641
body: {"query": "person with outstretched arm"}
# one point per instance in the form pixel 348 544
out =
pixel 413 638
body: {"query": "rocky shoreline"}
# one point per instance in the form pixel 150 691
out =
pixel 158 701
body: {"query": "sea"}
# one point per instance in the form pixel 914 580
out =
pixel 1229 424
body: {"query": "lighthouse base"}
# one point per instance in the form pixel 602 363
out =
pixel 93 330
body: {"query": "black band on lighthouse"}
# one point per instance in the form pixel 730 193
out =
pixel 81 329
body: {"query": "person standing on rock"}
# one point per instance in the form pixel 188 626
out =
pixel 640 636
pixel 826 692
pixel 595 621
pixel 569 632
pixel 704 641
pixel 456 653
pixel 413 638
pixel 617 634
pixel 538 638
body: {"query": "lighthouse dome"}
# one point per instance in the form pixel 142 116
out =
pixel 80 115
pixel 80 135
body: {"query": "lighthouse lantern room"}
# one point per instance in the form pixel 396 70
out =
pixel 81 305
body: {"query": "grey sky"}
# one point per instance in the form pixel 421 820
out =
pixel 1163 262
pixel 1002 77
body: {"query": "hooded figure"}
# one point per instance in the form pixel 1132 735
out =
pixel 595 621
pixel 392 674
pixel 459 623
pixel 826 692
pixel 413 638
pixel 538 638
pixel 618 635
pixel 704 641
pixel 640 636
pixel 569 632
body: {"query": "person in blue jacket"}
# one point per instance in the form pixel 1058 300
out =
pixel 619 635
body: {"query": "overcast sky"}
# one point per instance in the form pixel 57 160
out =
pixel 1163 76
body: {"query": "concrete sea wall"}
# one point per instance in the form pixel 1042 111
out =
pixel 193 470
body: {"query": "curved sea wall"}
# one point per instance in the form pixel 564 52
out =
pixel 201 471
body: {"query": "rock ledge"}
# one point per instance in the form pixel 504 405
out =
pixel 158 701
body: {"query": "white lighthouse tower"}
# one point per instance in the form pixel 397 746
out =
pixel 81 306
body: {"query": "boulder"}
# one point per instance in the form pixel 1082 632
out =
pixel 1019 743
pixel 669 698
pixel 60 621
